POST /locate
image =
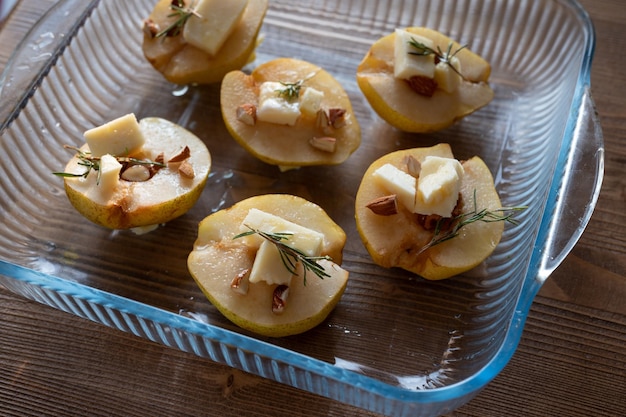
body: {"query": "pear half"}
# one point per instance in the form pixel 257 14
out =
pixel 397 240
pixel 217 258
pixel 284 145
pixel 132 204
pixel 183 63
pixel 400 106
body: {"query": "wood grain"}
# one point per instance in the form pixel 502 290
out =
pixel 571 360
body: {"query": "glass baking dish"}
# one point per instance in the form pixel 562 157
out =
pixel 396 344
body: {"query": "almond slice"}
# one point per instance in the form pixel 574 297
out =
pixel 384 206
pixel 184 154
pixel 324 143
pixel 240 282
pixel 279 299
pixel 422 85
pixel 186 170
pixel 246 114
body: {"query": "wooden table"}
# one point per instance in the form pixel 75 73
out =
pixel 571 360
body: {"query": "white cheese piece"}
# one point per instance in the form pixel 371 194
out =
pixel 399 183
pixel 436 191
pixel 311 101
pixel 407 65
pixel 118 137
pixel 109 174
pixel 307 240
pixel 438 186
pixel 268 265
pixel 215 21
pixel 446 78
pixel 274 107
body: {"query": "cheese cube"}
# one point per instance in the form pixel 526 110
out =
pixel 438 186
pixel 108 174
pixel 307 240
pixel 397 182
pixel 215 21
pixel 274 107
pixel 268 266
pixel 446 78
pixel 406 64
pixel 311 101
pixel 118 137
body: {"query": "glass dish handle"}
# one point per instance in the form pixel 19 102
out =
pixel 575 198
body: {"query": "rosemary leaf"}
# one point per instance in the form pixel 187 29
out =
pixel 182 14
pixel 289 255
pixel 291 90
pixel 420 49
pixel 92 163
pixel 503 214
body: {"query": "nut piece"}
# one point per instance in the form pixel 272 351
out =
pixel 159 162
pixel 329 119
pixel 413 166
pixel 186 170
pixel 279 299
pixel 136 173
pixel 240 282
pixel 337 117
pixel 384 206
pixel 323 122
pixel 246 113
pixel 184 154
pixel 150 28
pixel 422 85
pixel 324 143
pixel 433 222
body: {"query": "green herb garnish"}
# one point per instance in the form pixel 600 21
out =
pixel 420 49
pixel 182 14
pixel 289 255
pixel 503 214
pixel 93 163
pixel 291 90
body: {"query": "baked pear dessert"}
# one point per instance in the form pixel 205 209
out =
pixel 290 113
pixel 133 175
pixel 199 41
pixel 426 212
pixel 419 80
pixel 270 264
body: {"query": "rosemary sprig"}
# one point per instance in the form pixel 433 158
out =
pixel 421 49
pixel 182 14
pixel 289 255
pixel 93 163
pixel 503 214
pixel 291 90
